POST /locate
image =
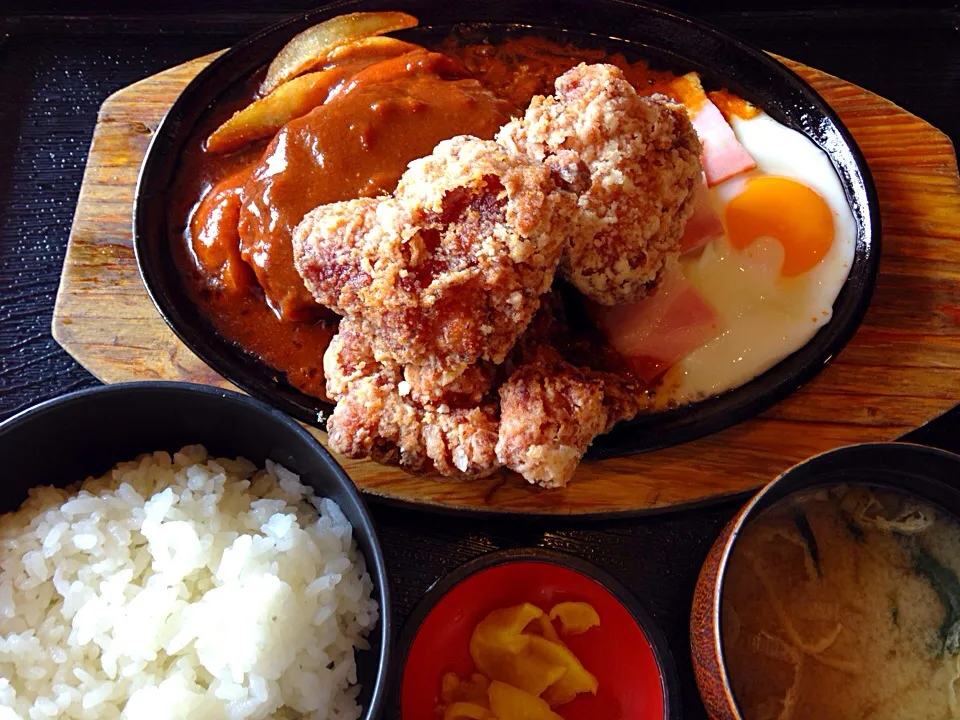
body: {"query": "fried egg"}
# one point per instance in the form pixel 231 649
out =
pixel 775 271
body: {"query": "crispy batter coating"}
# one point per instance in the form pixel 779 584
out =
pixel 549 413
pixel 551 410
pixel 337 243
pixel 634 160
pixel 539 424
pixel 442 361
pixel 448 271
pixel 377 417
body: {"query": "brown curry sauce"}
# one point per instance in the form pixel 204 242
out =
pixel 232 215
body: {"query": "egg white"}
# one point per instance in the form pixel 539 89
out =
pixel 766 317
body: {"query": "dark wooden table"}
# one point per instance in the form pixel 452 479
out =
pixel 59 62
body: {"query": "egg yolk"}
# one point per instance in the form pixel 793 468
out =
pixel 794 214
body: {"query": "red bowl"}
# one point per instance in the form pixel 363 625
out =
pixel 627 652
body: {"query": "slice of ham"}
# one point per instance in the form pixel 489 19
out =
pixel 654 334
pixel 723 155
pixel 705 223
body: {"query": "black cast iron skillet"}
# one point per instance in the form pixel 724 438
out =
pixel 665 38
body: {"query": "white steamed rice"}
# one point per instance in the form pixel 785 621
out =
pixel 181 587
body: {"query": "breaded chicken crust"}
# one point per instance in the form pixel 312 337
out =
pixel 550 412
pixel 448 359
pixel 375 418
pixel 550 409
pixel 540 423
pixel 449 270
pixel 634 162
pixel 333 247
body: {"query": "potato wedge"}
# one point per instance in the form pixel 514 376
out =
pixel 370 48
pixel 299 96
pixel 313 44
pixel 264 117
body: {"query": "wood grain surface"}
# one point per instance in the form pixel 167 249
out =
pixel 901 369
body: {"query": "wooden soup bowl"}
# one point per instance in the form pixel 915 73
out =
pixel 927 473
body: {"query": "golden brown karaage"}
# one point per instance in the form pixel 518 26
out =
pixel 374 416
pixel 436 365
pixel 449 270
pixel 551 408
pixel 633 161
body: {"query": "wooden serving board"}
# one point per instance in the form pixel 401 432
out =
pixel 901 369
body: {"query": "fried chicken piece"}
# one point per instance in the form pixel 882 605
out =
pixel 551 409
pixel 375 418
pixel 448 271
pixel 439 282
pixel 550 412
pixel 634 162
pixel 622 400
pixel 333 248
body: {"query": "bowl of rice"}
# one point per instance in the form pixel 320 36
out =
pixel 178 551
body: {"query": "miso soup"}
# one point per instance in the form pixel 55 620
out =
pixel 844 602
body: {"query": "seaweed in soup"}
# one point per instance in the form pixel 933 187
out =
pixel 945 583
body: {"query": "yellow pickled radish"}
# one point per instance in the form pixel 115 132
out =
pixel 575 617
